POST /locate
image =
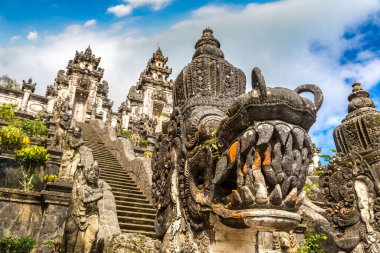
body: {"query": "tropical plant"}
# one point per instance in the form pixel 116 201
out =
pixel 32 128
pixel 214 146
pixel 50 178
pixel 126 133
pixel 143 143
pixel 12 138
pixel 23 244
pixel 312 244
pixel 7 112
pixel 308 188
pixel 327 157
pixel 54 246
pixel 148 154
pixel 30 159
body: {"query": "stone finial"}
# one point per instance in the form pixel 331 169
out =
pixel 29 85
pixel 208 45
pixel 359 98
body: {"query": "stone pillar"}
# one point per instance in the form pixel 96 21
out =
pixel 25 99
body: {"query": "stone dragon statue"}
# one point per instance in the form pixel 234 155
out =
pixel 230 160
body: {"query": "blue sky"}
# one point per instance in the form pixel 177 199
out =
pixel 326 42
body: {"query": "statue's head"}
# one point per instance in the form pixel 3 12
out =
pixel 77 132
pixel 92 173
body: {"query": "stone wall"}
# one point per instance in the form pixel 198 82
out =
pixel 40 215
pixel 139 167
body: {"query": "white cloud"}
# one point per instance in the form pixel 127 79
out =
pixel 155 4
pixel 32 36
pixel 15 38
pixel 120 10
pixel 90 23
pixel 276 37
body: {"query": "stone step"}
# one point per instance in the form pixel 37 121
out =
pixel 136 204
pixel 127 182
pixel 129 207
pixel 116 185
pixel 127 194
pixel 130 199
pixel 136 227
pixel 114 172
pixel 123 213
pixel 135 213
pixel 141 232
pixel 133 220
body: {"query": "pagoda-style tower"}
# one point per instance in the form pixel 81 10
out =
pixel 151 99
pixel 81 87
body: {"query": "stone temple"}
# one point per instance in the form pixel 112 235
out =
pixel 192 165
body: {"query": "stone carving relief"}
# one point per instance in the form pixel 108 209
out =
pixel 350 184
pixel 285 242
pixel 71 154
pixel 239 158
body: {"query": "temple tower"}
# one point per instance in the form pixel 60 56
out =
pixel 151 99
pixel 81 87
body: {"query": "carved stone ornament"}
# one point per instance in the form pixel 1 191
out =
pixel 82 224
pixel 71 155
pixel 240 158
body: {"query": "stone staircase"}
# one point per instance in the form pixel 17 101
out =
pixel 134 212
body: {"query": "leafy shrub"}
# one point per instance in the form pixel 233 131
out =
pixel 126 133
pixel 327 157
pixel 32 128
pixel 12 138
pixel 311 244
pixel 54 246
pixel 7 112
pixel 31 158
pixel 50 178
pixel 143 143
pixel 23 244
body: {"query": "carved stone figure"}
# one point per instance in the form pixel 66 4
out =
pixel 62 124
pixel 82 223
pixel 71 155
pixel 285 242
pixel 241 159
pixel 351 182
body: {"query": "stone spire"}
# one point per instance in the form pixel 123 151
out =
pixel 359 130
pixel 359 98
pixel 209 74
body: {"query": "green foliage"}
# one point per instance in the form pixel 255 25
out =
pixel 148 154
pixel 12 138
pixel 23 244
pixel 50 178
pixel 166 115
pixel 308 189
pixel 214 146
pixel 143 143
pixel 327 157
pixel 32 128
pixel 54 246
pixel 31 158
pixel 311 244
pixel 126 133
pixel 7 112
